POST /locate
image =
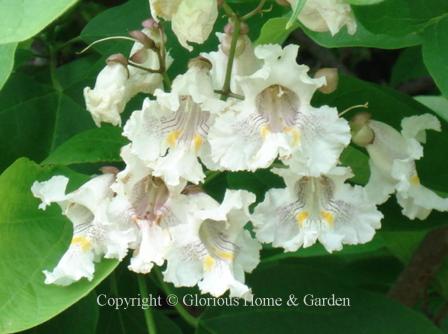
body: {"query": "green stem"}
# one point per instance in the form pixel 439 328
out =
pixel 114 288
pixel 258 9
pixel 235 35
pixel 228 10
pixel 189 319
pixel 149 316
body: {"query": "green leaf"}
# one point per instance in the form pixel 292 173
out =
pixel 400 17
pixel 367 313
pixel 20 20
pixel 275 31
pixel 91 146
pixel 81 317
pixel 35 119
pixel 363 2
pixel 362 38
pixel 409 66
pixel 7 52
pixel 435 53
pixel 438 104
pixel 32 240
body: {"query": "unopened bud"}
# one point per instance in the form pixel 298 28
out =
pixel 201 63
pixel 362 133
pixel 240 45
pixel 228 28
pixel 150 24
pixel 140 56
pixel 284 3
pixel 332 78
pixel 142 38
pixel 117 58
pixel 109 170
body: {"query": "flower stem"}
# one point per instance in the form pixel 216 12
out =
pixel 149 316
pixel 257 10
pixel 184 314
pixel 235 35
pixel 106 39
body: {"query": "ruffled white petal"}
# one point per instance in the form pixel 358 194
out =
pixel 316 208
pixel 415 126
pixel 193 21
pixel 327 15
pixel 50 191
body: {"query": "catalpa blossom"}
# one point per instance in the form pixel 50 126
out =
pixel 245 63
pixel 117 82
pixel 191 20
pixel 392 165
pixel 326 15
pixel 214 250
pixel 320 208
pixel 276 119
pixel 171 133
pixel 147 202
pixel 95 232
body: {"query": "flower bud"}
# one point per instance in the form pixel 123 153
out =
pixel 362 134
pixel 332 78
pixel 150 24
pixel 240 45
pixel 142 38
pixel 117 58
pixel 140 56
pixel 200 62
pixel 244 28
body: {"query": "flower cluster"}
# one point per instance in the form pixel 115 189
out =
pixel 155 206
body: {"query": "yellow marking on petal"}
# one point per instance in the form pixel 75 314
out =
pixel 301 217
pixel 227 256
pixel 82 242
pixel 172 138
pixel 264 131
pixel 208 263
pixel 415 181
pixel 327 216
pixel 295 134
pixel 197 142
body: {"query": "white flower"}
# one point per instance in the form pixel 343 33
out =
pixel 116 84
pixel 316 208
pixel 214 251
pixel 392 166
pixel 169 135
pixel 109 97
pixel 164 8
pixel 191 20
pixel 95 232
pixel 141 81
pixel 276 119
pixel 146 201
pixel 326 15
pixel 244 64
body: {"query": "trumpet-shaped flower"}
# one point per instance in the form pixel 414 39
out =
pixel 316 208
pixel 191 20
pixel 169 135
pixel 276 119
pixel 214 250
pixel 95 232
pixel 392 166
pixel 117 83
pixel 326 15
pixel 147 202
pixel 109 97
